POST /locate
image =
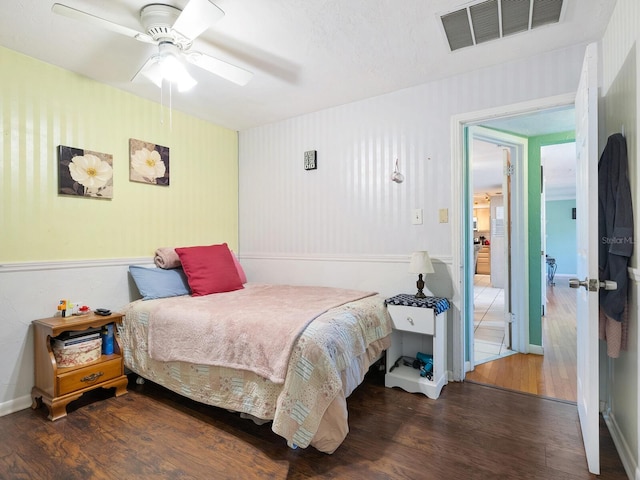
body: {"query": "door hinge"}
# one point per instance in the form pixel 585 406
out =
pixel 510 170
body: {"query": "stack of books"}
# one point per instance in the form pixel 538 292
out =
pixel 68 339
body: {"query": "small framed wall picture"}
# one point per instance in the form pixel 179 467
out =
pixel 148 162
pixel 310 160
pixel 84 173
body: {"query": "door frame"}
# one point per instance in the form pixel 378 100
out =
pixel 517 246
pixel 462 223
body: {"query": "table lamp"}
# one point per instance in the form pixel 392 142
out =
pixel 420 263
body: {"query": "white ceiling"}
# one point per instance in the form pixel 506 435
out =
pixel 307 55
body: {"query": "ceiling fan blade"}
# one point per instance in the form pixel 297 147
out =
pixel 100 22
pixel 221 68
pixel 196 17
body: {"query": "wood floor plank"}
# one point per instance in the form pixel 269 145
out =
pixel 554 374
pixel 470 432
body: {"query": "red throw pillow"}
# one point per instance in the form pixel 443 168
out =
pixel 209 269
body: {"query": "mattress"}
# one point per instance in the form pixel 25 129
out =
pixel 328 360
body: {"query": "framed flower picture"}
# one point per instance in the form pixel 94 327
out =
pixel 84 173
pixel 148 162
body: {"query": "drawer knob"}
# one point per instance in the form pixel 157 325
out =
pixel 91 378
pixel 410 320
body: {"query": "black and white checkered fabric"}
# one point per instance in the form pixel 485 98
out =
pixel 439 304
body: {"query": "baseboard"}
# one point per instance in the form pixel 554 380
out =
pixel 626 456
pixel 15 405
pixel 536 349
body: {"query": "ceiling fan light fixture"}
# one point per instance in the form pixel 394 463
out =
pixel 153 72
pixel 174 71
pixel 186 83
pixel 168 68
pixel 173 31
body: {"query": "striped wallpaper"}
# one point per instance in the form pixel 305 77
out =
pixel 349 206
pixel 620 377
pixel 41 107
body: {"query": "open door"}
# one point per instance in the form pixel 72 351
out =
pixel 506 191
pixel 509 233
pixel 587 267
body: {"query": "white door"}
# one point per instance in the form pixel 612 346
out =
pixel 587 246
pixel 543 237
pixel 506 214
pixel 513 222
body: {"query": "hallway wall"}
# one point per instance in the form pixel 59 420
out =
pixel 561 235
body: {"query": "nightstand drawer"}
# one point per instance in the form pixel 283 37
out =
pixel 413 319
pixel 89 376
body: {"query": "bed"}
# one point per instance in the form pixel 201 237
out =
pixel 289 355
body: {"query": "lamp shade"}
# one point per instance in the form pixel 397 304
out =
pixel 420 263
pixel 168 65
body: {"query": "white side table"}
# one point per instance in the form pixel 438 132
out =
pixel 419 325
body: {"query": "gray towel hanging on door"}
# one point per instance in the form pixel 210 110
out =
pixel 615 224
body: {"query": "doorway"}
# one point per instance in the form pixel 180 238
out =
pixel 551 152
pixel 552 375
pixel 528 335
pixel 490 164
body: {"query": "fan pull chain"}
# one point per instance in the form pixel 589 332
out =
pixel 162 90
pixel 170 109
pixel 162 103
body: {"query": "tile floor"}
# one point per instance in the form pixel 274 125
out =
pixel 488 321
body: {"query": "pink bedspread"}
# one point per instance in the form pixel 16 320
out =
pixel 252 329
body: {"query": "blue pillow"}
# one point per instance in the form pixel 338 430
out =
pixel 158 282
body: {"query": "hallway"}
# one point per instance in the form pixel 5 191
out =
pixel 552 374
pixel 488 321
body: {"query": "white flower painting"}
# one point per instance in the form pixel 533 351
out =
pixel 84 173
pixel 148 163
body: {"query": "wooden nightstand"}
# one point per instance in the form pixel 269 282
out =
pixel 57 386
pixel 419 325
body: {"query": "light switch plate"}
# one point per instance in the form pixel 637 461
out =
pixel 310 160
pixel 416 216
pixel 444 215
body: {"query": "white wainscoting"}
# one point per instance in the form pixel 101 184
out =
pixel 29 291
pixel 385 274
pixel 618 427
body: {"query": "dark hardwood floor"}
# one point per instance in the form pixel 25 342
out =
pixel 471 432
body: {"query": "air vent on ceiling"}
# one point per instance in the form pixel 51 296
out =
pixel 492 19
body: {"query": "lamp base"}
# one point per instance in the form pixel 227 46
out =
pixel 420 285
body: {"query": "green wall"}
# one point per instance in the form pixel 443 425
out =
pixel 561 235
pixel 42 107
pixel 535 232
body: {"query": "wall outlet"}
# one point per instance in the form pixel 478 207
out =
pixel 416 216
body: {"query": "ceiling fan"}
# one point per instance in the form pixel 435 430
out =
pixel 173 31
